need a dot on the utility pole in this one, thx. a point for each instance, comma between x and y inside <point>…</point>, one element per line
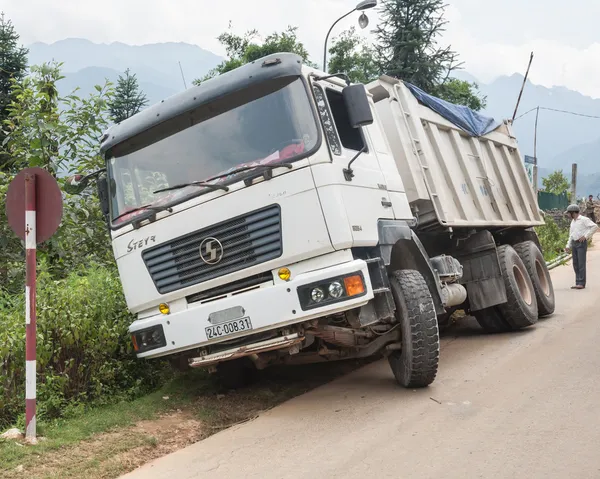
<point>182,76</point>
<point>574,183</point>
<point>522,88</point>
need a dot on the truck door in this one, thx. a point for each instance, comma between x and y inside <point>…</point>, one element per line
<point>362,198</point>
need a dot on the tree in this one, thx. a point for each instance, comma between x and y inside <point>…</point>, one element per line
<point>245,49</point>
<point>59,134</point>
<point>128,99</point>
<point>461,92</point>
<point>556,183</point>
<point>13,66</point>
<point>351,55</point>
<point>407,48</point>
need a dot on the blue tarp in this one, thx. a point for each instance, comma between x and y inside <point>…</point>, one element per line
<point>463,117</point>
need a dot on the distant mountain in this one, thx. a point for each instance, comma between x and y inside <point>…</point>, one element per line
<point>155,63</point>
<point>85,80</point>
<point>557,132</point>
<point>562,139</point>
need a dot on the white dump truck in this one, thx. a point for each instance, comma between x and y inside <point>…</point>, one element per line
<point>277,214</point>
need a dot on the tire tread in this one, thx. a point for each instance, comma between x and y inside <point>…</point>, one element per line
<point>420,369</point>
<point>512,311</point>
<point>524,250</point>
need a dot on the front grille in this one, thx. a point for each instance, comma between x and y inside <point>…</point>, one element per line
<point>222,291</point>
<point>247,241</point>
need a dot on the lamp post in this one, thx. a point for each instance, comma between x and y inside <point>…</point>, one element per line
<point>363,22</point>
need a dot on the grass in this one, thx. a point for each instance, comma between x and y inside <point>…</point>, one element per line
<point>105,442</point>
<point>66,432</point>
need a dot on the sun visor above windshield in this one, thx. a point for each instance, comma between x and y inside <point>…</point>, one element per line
<point>273,67</point>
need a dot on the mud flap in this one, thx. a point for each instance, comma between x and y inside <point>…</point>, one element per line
<point>481,271</point>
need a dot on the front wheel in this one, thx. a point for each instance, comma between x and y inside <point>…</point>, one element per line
<point>416,364</point>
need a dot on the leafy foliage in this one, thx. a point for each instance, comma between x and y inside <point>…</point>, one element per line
<point>556,183</point>
<point>58,134</point>
<point>351,55</point>
<point>553,238</point>
<point>246,48</point>
<point>13,65</point>
<point>460,92</point>
<point>128,99</point>
<point>407,48</point>
<point>83,350</point>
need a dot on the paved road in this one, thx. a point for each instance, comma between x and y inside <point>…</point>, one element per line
<point>518,405</point>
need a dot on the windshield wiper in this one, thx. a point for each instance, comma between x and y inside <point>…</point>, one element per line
<point>268,174</point>
<point>194,183</point>
<point>155,209</point>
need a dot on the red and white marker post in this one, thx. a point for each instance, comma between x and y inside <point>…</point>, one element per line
<point>34,211</point>
<point>30,312</point>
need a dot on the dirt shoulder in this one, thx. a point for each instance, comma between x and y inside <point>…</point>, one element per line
<point>107,442</point>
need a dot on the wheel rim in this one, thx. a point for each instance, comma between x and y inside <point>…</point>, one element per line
<point>524,289</point>
<point>544,283</point>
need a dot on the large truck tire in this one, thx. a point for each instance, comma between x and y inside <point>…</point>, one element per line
<point>416,364</point>
<point>540,276</point>
<point>492,320</point>
<point>521,310</point>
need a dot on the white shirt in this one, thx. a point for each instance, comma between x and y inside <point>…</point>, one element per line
<point>582,226</point>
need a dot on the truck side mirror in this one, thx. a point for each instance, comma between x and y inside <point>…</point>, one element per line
<point>102,186</point>
<point>357,105</point>
<point>74,185</point>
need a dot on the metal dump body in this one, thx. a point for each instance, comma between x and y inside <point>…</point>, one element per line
<point>450,177</point>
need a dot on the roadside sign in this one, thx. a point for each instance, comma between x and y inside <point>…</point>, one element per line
<point>34,211</point>
<point>48,208</point>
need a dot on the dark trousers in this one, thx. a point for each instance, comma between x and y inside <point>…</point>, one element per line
<point>579,257</point>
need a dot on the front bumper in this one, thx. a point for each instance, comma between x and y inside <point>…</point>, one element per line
<point>267,308</point>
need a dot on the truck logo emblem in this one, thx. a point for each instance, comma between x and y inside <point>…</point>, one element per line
<point>211,251</point>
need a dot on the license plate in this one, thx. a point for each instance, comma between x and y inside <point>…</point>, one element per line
<point>230,327</point>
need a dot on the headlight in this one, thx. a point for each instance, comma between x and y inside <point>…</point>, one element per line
<point>332,290</point>
<point>336,290</point>
<point>317,295</point>
<point>148,339</point>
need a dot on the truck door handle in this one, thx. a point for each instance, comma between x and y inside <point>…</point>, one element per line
<point>386,203</point>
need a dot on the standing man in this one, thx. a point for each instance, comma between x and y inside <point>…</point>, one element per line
<point>590,210</point>
<point>582,229</point>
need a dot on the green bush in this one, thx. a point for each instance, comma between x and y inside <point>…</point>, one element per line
<point>553,238</point>
<point>84,355</point>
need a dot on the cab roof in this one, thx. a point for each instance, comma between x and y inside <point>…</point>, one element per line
<point>272,67</point>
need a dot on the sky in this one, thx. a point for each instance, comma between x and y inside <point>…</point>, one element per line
<point>493,38</point>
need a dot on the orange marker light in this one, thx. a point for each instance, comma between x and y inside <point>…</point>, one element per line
<point>354,285</point>
<point>135,344</point>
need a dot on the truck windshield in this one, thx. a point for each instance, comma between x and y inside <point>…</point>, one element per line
<point>277,127</point>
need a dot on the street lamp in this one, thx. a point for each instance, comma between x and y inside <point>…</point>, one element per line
<point>363,21</point>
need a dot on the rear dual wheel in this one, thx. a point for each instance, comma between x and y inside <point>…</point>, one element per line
<point>540,276</point>
<point>521,309</point>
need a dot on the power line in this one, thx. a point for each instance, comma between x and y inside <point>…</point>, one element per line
<point>558,111</point>
<point>527,112</point>
<point>570,112</point>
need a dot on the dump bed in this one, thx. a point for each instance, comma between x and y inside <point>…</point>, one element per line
<point>451,177</point>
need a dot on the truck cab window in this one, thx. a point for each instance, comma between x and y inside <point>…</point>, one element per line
<point>351,138</point>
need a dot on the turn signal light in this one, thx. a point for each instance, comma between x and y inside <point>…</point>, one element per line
<point>354,285</point>
<point>164,308</point>
<point>136,348</point>
<point>284,274</point>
